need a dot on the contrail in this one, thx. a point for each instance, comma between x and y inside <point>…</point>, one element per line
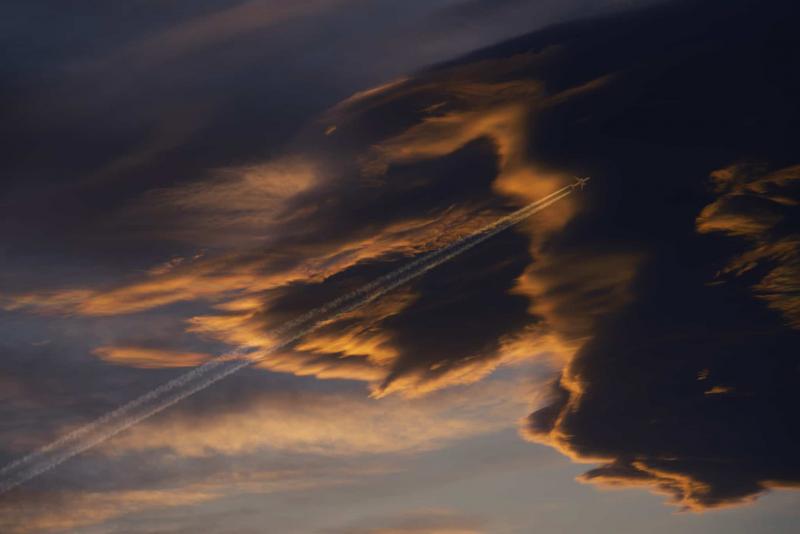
<point>199,378</point>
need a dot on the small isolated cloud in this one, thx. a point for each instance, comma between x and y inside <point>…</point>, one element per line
<point>149,358</point>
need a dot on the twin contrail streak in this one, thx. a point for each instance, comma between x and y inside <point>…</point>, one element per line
<point>199,378</point>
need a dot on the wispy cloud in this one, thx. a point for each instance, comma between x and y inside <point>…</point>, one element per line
<point>435,521</point>
<point>757,206</point>
<point>149,358</point>
<point>335,424</point>
<point>213,29</point>
<point>203,376</point>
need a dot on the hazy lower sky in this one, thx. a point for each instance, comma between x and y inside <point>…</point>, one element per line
<point>181,178</point>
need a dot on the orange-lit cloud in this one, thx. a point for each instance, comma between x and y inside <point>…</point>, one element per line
<point>575,294</point>
<point>754,206</point>
<point>436,521</point>
<point>335,424</point>
<point>66,511</point>
<point>280,206</point>
<point>262,243</point>
<point>574,289</point>
<point>148,358</point>
<point>467,109</point>
<point>682,490</point>
<point>235,206</point>
<point>350,428</point>
<point>340,426</point>
<point>230,275</point>
<point>677,478</point>
<point>687,492</point>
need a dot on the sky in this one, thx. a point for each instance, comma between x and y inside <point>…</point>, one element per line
<point>179,179</point>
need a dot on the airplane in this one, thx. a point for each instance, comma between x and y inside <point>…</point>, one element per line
<point>581,183</point>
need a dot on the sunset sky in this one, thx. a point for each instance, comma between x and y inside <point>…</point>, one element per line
<point>180,178</point>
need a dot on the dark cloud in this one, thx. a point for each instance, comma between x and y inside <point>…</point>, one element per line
<point>673,378</point>
<point>348,207</point>
<point>762,209</point>
<point>103,104</point>
<point>690,389</point>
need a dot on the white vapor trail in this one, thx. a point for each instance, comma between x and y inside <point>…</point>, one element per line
<point>199,378</point>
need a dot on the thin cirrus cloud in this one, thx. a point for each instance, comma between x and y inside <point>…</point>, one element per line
<point>236,206</point>
<point>281,442</point>
<point>66,511</point>
<point>206,31</point>
<point>433,521</point>
<point>79,509</point>
<point>336,425</point>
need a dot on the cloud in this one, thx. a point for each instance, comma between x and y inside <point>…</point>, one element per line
<point>457,107</point>
<point>573,289</point>
<point>256,205</point>
<point>759,208</point>
<point>698,438</point>
<point>234,274</point>
<point>72,510</point>
<point>67,510</point>
<point>149,358</point>
<point>437,521</point>
<point>209,30</point>
<point>670,381</point>
<point>667,381</point>
<point>332,424</point>
<point>289,234</point>
<point>277,441</point>
<point>676,379</point>
<point>234,206</point>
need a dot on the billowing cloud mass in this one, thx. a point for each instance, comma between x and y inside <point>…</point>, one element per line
<point>686,387</point>
<point>660,306</point>
<point>457,166</point>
